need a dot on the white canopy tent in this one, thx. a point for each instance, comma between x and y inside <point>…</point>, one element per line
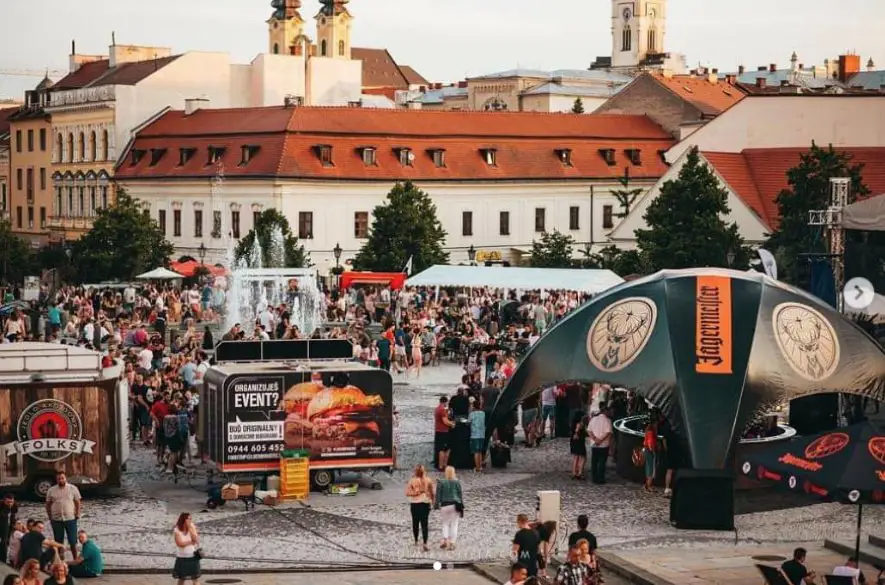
<point>511,278</point>
<point>867,215</point>
<point>159,274</point>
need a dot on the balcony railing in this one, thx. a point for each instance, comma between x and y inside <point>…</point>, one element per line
<point>70,223</point>
<point>89,95</point>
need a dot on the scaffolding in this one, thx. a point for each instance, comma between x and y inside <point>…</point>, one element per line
<point>830,219</point>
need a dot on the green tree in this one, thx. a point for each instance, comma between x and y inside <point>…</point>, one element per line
<point>808,188</point>
<point>122,243</point>
<point>621,262</point>
<point>685,225</point>
<point>279,246</point>
<point>578,107</point>
<point>553,250</point>
<point>15,257</point>
<point>625,195</point>
<point>405,226</point>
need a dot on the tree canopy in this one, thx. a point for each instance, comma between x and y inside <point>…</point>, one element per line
<point>404,226</point>
<point>553,250</point>
<point>578,107</point>
<point>279,248</point>
<point>15,258</point>
<point>626,196</point>
<point>685,223</point>
<point>123,242</point>
<point>808,189</point>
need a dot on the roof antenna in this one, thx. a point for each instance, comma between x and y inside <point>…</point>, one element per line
<point>113,39</point>
<point>73,47</point>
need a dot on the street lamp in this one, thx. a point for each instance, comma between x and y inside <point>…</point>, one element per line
<point>730,257</point>
<point>336,251</point>
<point>202,252</point>
<point>608,254</point>
<point>471,254</point>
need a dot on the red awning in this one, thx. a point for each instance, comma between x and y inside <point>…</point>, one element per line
<point>190,267</point>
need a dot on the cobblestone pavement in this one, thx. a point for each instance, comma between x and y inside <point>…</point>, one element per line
<point>133,527</point>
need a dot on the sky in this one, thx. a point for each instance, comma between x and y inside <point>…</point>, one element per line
<point>447,40</point>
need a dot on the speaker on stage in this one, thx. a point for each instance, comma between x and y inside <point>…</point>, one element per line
<point>703,500</point>
<point>815,414</point>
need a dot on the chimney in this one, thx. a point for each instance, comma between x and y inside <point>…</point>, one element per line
<point>801,66</point>
<point>193,104</point>
<point>730,79</point>
<point>462,84</point>
<point>741,69</point>
<point>772,67</point>
<point>713,77</point>
<point>715,71</point>
<point>762,68</point>
<point>848,66</point>
<point>760,82</point>
<point>293,101</point>
<point>423,89</point>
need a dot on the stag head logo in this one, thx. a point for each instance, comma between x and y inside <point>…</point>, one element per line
<point>806,340</point>
<point>620,333</point>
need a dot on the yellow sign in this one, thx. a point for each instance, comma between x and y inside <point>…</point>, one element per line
<point>488,256</point>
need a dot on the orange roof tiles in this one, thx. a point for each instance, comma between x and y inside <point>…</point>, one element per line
<point>526,144</point>
<point>710,98</point>
<point>758,175</point>
<point>83,76</point>
<point>412,76</point>
<point>379,68</point>
<point>98,73</point>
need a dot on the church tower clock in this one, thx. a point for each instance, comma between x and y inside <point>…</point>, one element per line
<point>637,32</point>
<point>285,28</point>
<point>333,29</point>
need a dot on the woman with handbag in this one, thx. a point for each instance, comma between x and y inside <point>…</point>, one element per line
<point>419,490</point>
<point>449,501</point>
<point>187,558</point>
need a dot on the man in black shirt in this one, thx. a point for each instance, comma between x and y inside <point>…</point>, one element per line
<point>8,510</point>
<point>795,569</point>
<point>36,546</point>
<point>525,545</point>
<point>582,533</point>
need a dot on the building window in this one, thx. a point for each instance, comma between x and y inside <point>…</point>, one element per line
<point>466,223</point>
<point>565,156</point>
<point>176,223</point>
<point>18,140</point>
<point>361,225</point>
<point>81,147</point>
<point>93,201</point>
<point>439,157</point>
<point>652,41</point>
<point>369,157</point>
<point>184,155</point>
<point>627,39</point>
<point>19,179</point>
<point>43,139</point>
<point>3,197</point>
<point>18,217</point>
<point>30,218</point>
<point>305,225</point>
<point>406,157</point>
<point>325,154</point>
<point>198,223</point>
<point>574,217</point>
<point>161,221</point>
<point>490,155</point>
<point>30,186</point>
<point>504,223</point>
<point>323,48</point>
<point>216,153</point>
<point>70,151</point>
<point>255,216</point>
<point>248,153</point>
<point>235,224</point>
<point>105,145</point>
<point>608,155</point>
<point>104,197</point>
<point>608,221</point>
<point>58,206</point>
<point>540,219</point>
<point>42,179</point>
<point>30,141</point>
<point>59,148</point>
<point>216,223</point>
<point>81,199</point>
<point>70,209</point>
<point>341,48</point>
<point>42,217</point>
<point>276,48</point>
<point>93,147</point>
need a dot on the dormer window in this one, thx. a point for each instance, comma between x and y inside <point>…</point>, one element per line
<point>439,157</point>
<point>565,156</point>
<point>137,155</point>
<point>367,153</point>
<point>608,155</point>
<point>406,158</point>
<point>216,153</point>
<point>635,156</point>
<point>248,152</point>
<point>185,155</point>
<point>490,155</point>
<point>324,153</point>
<point>157,155</point>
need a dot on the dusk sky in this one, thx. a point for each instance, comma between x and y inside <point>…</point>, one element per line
<point>446,40</point>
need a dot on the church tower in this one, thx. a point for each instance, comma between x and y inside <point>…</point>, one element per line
<point>285,28</point>
<point>638,28</point>
<point>333,29</point>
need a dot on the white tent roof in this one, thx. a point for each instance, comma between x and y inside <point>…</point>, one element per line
<point>584,280</point>
<point>159,274</point>
<point>866,215</point>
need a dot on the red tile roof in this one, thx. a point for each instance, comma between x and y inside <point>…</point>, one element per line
<point>86,74</point>
<point>758,175</point>
<point>525,144</point>
<point>5,115</point>
<point>711,98</point>
<point>379,68</point>
<point>98,73</point>
<point>412,76</point>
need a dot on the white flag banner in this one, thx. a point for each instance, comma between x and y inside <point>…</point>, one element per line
<point>769,264</point>
<point>408,267</point>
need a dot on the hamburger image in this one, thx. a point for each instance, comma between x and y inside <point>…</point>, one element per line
<point>337,415</point>
<point>297,398</point>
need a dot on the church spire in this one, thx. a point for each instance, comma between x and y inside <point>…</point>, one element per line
<point>331,8</point>
<point>285,26</point>
<point>333,29</point>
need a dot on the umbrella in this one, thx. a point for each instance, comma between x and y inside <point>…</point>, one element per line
<point>712,348</point>
<point>847,465</point>
<point>8,308</point>
<point>159,274</point>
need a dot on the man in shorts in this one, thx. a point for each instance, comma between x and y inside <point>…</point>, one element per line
<point>442,426</point>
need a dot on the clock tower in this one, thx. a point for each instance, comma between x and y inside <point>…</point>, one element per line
<point>285,28</point>
<point>333,29</point>
<point>638,28</point>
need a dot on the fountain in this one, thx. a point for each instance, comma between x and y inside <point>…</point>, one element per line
<point>253,286</point>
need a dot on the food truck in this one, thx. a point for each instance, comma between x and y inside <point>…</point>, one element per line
<point>263,397</point>
<point>60,411</point>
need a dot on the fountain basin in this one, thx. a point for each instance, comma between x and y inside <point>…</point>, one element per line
<point>629,434</point>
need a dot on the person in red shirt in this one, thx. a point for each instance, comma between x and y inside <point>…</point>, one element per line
<point>442,424</point>
<point>159,411</point>
<point>649,449</point>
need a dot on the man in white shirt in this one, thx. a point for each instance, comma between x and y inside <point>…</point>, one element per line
<point>600,431</point>
<point>850,569</point>
<point>266,319</point>
<point>145,358</point>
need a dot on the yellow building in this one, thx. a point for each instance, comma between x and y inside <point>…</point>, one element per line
<point>30,160</point>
